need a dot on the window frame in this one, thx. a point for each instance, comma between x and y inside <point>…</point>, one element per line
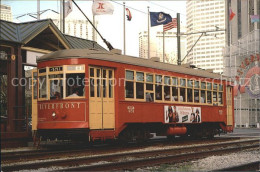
<point>66,71</point>
<point>178,86</point>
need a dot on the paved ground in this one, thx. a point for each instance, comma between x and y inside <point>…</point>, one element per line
<point>244,132</point>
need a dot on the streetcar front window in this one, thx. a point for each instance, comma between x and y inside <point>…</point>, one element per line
<point>42,87</point>
<point>56,86</point>
<point>75,85</point>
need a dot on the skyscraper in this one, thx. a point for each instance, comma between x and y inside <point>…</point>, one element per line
<point>242,61</point>
<point>6,12</point>
<point>156,45</point>
<point>209,17</point>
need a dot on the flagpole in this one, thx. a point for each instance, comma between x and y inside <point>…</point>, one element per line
<point>148,33</point>
<point>178,38</point>
<point>124,27</point>
<point>93,30</point>
<point>163,47</point>
<point>38,9</point>
<point>63,15</point>
<point>109,46</point>
<point>61,11</point>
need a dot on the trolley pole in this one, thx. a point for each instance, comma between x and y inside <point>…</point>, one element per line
<point>178,39</point>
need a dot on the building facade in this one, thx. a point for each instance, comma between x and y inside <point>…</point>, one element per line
<point>75,27</point>
<point>6,12</point>
<point>209,17</point>
<point>156,45</point>
<point>242,60</point>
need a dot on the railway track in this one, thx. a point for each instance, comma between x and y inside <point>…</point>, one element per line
<point>133,160</point>
<point>54,152</point>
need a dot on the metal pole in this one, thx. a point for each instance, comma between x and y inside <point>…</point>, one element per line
<point>178,39</point>
<point>61,11</point>
<point>63,16</point>
<point>124,27</point>
<point>110,47</point>
<point>93,30</point>
<point>38,9</point>
<point>148,33</point>
<point>163,47</point>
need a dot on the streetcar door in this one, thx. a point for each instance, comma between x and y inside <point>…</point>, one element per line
<point>34,99</point>
<point>101,98</point>
<point>229,106</point>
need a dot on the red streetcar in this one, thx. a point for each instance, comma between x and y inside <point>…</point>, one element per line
<point>99,95</point>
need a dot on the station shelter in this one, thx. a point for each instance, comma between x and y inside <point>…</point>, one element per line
<point>20,45</point>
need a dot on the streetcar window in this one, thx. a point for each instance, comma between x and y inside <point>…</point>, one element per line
<point>197,84</point>
<point>149,87</point>
<point>42,87</point>
<point>182,94</point>
<point>189,95</point>
<point>220,99</point>
<point>158,78</point>
<point>35,86</point>
<point>215,94</point>
<point>104,86</point>
<point>183,82</point>
<point>209,86</point>
<point>167,94</point>
<point>139,76</point>
<point>149,78</point>
<point>111,88</point>
<point>56,86</point>
<point>190,83</point>
<point>158,92</point>
<point>203,85</point>
<point>215,87</point>
<point>174,93</point>
<point>91,72</point>
<point>129,89</point>
<point>175,81</point>
<point>220,87</point>
<point>75,85</point>
<point>92,91</point>
<point>129,75</point>
<point>203,96</point>
<point>196,96</point>
<point>56,89</point>
<point>209,97</point>
<point>98,87</point>
<point>110,74</point>
<point>167,80</point>
<point>139,90</point>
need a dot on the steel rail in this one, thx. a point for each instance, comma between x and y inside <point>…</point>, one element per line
<point>108,157</point>
<point>34,154</point>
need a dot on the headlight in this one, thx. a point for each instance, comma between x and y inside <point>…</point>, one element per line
<point>53,115</point>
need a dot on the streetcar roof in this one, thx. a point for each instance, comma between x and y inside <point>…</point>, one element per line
<point>109,56</point>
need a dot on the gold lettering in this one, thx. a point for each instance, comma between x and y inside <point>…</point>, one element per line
<point>48,106</point>
<point>67,105</point>
<point>78,105</point>
<point>52,106</point>
<point>61,105</point>
<point>72,105</point>
<point>45,106</point>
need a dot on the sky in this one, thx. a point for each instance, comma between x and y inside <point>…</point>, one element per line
<point>110,26</point>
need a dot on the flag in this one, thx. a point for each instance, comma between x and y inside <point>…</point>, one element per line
<point>102,7</point>
<point>231,14</point>
<point>67,8</point>
<point>128,14</point>
<point>254,18</point>
<point>159,18</point>
<point>170,25</point>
